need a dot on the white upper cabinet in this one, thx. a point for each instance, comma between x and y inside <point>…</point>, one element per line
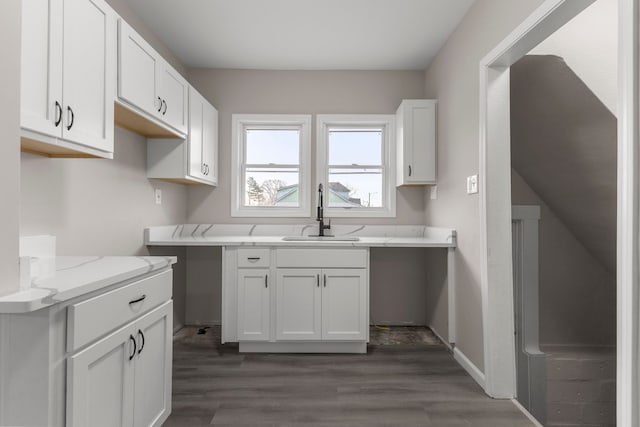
<point>194,159</point>
<point>148,85</point>
<point>68,77</point>
<point>203,138</point>
<point>416,142</point>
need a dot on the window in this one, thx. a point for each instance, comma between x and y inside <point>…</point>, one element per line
<point>271,154</point>
<point>354,163</point>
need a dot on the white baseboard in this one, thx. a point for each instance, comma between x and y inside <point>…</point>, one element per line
<point>468,366</point>
<point>445,342</point>
<point>526,413</point>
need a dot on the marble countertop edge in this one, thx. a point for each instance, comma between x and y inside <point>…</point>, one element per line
<point>78,276</point>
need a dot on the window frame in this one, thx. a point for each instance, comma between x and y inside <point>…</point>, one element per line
<point>242,122</point>
<point>388,123</point>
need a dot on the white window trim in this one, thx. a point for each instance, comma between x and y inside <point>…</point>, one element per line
<point>239,123</point>
<point>388,121</point>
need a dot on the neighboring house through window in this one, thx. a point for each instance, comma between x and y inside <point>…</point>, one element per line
<point>355,158</point>
<point>271,153</point>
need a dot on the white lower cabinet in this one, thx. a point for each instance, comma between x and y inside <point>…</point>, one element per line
<point>319,300</point>
<point>345,304</point>
<point>102,359</point>
<point>124,379</point>
<point>299,304</point>
<point>254,304</point>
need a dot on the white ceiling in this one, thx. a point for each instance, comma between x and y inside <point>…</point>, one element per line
<point>303,34</point>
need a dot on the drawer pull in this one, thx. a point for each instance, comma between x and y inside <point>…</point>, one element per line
<point>137,300</point>
<point>132,339</point>
<point>141,345</point>
<point>253,258</point>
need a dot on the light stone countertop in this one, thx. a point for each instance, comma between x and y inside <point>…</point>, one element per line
<point>80,275</point>
<point>272,235</point>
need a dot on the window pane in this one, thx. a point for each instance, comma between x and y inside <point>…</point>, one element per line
<point>272,187</point>
<point>355,147</point>
<point>273,146</point>
<point>355,188</point>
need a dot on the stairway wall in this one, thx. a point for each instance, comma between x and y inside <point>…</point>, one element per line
<point>577,294</point>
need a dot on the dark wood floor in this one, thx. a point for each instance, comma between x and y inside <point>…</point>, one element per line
<point>413,384</point>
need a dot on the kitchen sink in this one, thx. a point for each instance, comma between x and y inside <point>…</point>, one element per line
<point>320,238</point>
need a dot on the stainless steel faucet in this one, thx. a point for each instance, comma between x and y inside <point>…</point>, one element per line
<point>320,216</point>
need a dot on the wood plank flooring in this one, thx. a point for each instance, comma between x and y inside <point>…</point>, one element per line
<point>413,384</point>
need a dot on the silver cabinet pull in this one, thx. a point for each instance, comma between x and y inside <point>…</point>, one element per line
<point>266,280</point>
<point>325,280</point>
<point>409,170</point>
<point>318,279</point>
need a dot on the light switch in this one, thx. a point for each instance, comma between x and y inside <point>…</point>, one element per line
<point>472,184</point>
<point>434,192</point>
<point>158,193</point>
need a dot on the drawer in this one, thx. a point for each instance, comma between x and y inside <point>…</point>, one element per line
<point>254,257</point>
<point>322,258</point>
<point>90,319</point>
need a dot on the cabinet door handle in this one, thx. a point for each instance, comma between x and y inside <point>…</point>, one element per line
<point>318,279</point>
<point>69,110</point>
<point>325,280</point>
<point>133,340</point>
<point>165,107</point>
<point>137,299</point>
<point>58,114</point>
<point>160,104</point>
<point>253,258</point>
<point>409,170</point>
<point>266,280</point>
<point>142,345</point>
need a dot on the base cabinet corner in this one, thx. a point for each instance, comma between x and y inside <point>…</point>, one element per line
<point>124,379</point>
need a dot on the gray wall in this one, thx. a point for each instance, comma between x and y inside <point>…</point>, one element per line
<point>298,92</point>
<point>398,277</point>
<point>100,207</point>
<point>10,12</point>
<point>97,206</point>
<point>577,301</point>
<point>453,78</point>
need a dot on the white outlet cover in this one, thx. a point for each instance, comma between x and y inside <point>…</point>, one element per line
<point>434,192</point>
<point>158,196</point>
<point>472,184</point>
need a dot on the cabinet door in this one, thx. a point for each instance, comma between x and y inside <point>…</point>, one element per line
<point>137,68</point>
<point>196,124</point>
<point>153,367</point>
<point>173,89</point>
<point>253,304</point>
<point>89,73</point>
<point>210,143</point>
<point>420,142</point>
<point>41,67</point>
<point>298,302</point>
<point>344,304</point>
<point>100,382</point>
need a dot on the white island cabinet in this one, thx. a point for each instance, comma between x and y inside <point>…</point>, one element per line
<point>318,302</point>
<point>96,351</point>
<point>68,77</point>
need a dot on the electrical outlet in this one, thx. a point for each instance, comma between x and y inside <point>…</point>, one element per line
<point>158,196</point>
<point>434,192</point>
<point>472,184</point>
